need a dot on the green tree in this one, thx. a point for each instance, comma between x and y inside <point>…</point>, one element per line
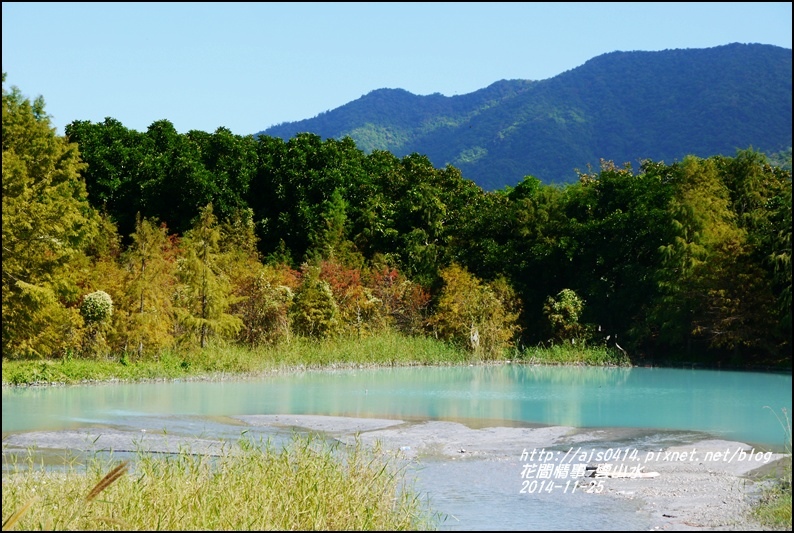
<point>114,157</point>
<point>330,240</point>
<point>760,196</point>
<point>231,162</point>
<point>47,224</point>
<point>781,259</point>
<point>205,295</point>
<point>700,283</point>
<point>532,246</point>
<point>617,221</point>
<point>292,192</point>
<point>564,313</point>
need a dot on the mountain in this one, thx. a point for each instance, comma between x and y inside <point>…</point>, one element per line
<point>620,106</point>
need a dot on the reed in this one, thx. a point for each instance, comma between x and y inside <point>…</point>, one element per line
<point>385,349</point>
<point>309,484</point>
<point>573,354</point>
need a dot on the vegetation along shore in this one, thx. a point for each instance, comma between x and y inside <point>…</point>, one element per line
<point>157,255</point>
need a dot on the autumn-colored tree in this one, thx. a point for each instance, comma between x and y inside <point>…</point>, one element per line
<point>266,296</point>
<point>314,312</point>
<point>146,312</point>
<point>205,295</point>
<point>47,224</point>
<point>360,312</point>
<point>404,304</point>
<point>475,315</point>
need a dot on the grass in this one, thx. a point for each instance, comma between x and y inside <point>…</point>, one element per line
<point>307,485</point>
<point>386,349</point>
<point>774,508</point>
<point>574,354</point>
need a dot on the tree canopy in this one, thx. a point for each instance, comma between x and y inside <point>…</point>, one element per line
<point>204,238</point>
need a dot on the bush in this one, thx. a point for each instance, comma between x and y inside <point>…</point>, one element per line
<point>563,314</point>
<point>96,307</point>
<point>480,317</point>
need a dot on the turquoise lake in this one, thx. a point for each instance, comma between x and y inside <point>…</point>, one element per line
<point>648,408</point>
<point>730,405</point>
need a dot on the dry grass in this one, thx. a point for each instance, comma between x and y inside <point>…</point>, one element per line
<point>307,485</point>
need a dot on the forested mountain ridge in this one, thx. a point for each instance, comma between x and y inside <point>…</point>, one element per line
<point>620,106</point>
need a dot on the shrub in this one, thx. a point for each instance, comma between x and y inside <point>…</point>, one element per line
<point>96,307</point>
<point>563,314</point>
<point>477,316</point>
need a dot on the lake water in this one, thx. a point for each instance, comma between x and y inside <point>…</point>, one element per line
<point>640,406</point>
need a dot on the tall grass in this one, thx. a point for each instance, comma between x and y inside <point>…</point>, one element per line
<point>388,348</point>
<point>774,508</point>
<point>574,354</point>
<point>385,349</point>
<point>307,485</point>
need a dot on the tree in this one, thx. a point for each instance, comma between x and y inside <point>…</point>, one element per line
<point>47,223</point>
<point>760,196</point>
<point>330,241</point>
<point>404,304</point>
<point>360,311</point>
<point>315,312</point>
<point>231,163</point>
<point>96,309</point>
<point>535,246</point>
<point>114,158</point>
<point>480,317</point>
<point>563,313</point>
<point>292,192</point>
<point>617,222</point>
<point>204,298</point>
<point>266,295</point>
<point>147,305</point>
<point>699,263</point>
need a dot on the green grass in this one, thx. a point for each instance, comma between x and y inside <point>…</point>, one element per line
<point>574,354</point>
<point>387,349</point>
<point>307,485</point>
<point>774,508</point>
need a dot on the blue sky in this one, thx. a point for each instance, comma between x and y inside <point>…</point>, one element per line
<point>248,66</point>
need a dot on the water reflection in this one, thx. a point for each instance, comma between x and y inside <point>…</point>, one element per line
<point>727,404</point>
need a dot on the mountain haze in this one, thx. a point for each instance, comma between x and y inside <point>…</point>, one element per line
<point>620,106</point>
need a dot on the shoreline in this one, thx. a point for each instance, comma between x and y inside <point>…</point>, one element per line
<point>330,367</point>
<point>701,484</point>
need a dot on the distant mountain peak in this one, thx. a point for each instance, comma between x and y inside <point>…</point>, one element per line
<point>623,106</point>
